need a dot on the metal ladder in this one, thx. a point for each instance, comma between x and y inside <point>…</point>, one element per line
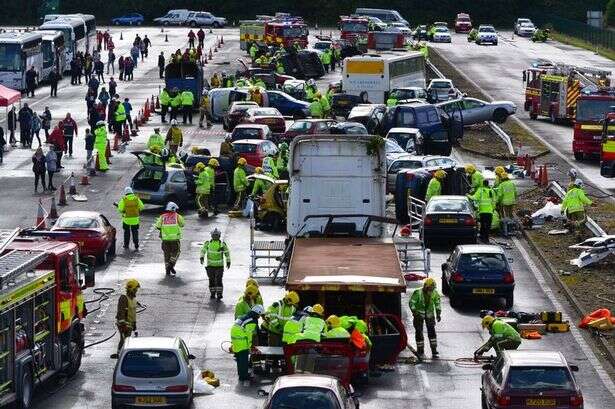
<point>7,236</point>
<point>266,256</point>
<point>414,258</point>
<point>16,262</point>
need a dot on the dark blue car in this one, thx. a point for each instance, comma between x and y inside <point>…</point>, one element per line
<point>130,19</point>
<point>287,105</point>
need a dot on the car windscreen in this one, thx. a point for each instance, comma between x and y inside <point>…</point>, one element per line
<point>441,30</point>
<point>300,126</point>
<point>440,84</point>
<point>354,27</point>
<point>405,164</point>
<point>265,112</point>
<point>77,223</point>
<point>355,130</point>
<point>487,30</point>
<point>427,116</point>
<point>236,108</point>
<point>448,206</point>
<point>150,364</point>
<point>545,378</point>
<point>245,147</point>
<point>593,110</point>
<point>246,133</point>
<point>403,94</point>
<point>392,147</point>
<point>463,19</point>
<point>480,263</point>
<point>304,397</point>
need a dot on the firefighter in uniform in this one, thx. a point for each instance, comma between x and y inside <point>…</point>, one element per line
<point>170,225</point>
<point>426,308</point>
<point>277,315</point>
<point>202,189</point>
<point>240,184</point>
<point>246,301</point>
<point>165,101</point>
<point>155,143</point>
<point>242,333</point>
<point>217,253</point>
<point>126,315</point>
<point>573,206</point>
<point>507,199</point>
<point>335,329</point>
<point>434,188</point>
<point>484,199</point>
<point>503,336</point>
<point>476,178</point>
<point>130,207</point>
<point>313,326</point>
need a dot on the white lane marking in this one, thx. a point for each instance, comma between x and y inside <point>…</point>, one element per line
<point>425,379</point>
<point>576,334</point>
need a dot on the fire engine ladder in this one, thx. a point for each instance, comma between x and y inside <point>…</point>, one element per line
<point>7,236</point>
<point>266,256</point>
<point>16,262</point>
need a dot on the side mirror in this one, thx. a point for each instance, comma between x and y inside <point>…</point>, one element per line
<point>191,356</point>
<point>574,368</point>
<point>262,393</point>
<point>88,273</point>
<point>487,367</point>
<point>113,356</point>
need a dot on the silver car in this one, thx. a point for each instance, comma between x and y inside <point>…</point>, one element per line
<point>309,392</point>
<point>153,371</point>
<point>430,162</point>
<point>442,89</point>
<point>475,111</point>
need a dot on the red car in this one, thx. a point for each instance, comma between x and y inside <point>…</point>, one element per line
<point>254,150</point>
<point>266,116</point>
<point>463,24</point>
<point>91,231</point>
<point>236,113</point>
<point>308,127</point>
<point>251,131</point>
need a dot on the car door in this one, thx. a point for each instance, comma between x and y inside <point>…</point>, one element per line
<point>493,380</point>
<point>475,111</point>
<point>449,266</point>
<point>278,102</point>
<point>185,355</point>
<point>178,184</point>
<point>109,234</point>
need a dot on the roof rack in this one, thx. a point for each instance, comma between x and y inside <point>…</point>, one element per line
<point>17,262</point>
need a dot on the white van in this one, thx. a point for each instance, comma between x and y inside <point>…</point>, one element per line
<point>173,18</point>
<point>388,16</point>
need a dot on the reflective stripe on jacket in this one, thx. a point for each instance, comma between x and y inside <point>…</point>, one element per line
<point>216,252</point>
<point>313,328</point>
<point>575,201</point>
<point>130,207</point>
<point>425,308</point>
<point>170,224</point>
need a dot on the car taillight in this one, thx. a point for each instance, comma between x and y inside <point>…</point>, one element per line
<point>428,221</point>
<point>409,176</point>
<point>503,400</point>
<point>508,278</point>
<point>176,388</point>
<point>469,221</point>
<point>576,400</point>
<point>458,278</point>
<point>123,388</point>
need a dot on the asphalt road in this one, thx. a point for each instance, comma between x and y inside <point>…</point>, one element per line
<point>498,71</point>
<point>180,306</point>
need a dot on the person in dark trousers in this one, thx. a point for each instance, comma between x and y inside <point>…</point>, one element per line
<point>484,199</point>
<point>69,128</point>
<point>87,68</point>
<point>90,99</point>
<point>201,36</point>
<point>130,207</point>
<point>120,66</point>
<point>2,144</point>
<point>25,126</point>
<point>128,109</point>
<point>12,126</point>
<point>39,168</point>
<point>31,77</point>
<point>111,112</point>
<point>54,78</point>
<point>111,62</point>
<point>56,138</point>
<point>73,72</point>
<point>51,161</point>
<point>112,87</point>
<point>94,117</point>
<point>89,144</point>
<point>99,68</point>
<point>36,128</point>
<point>191,37</point>
<point>46,122</point>
<point>93,84</point>
<point>146,45</point>
<point>161,63</point>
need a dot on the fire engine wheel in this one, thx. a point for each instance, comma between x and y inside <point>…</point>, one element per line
<point>27,388</point>
<point>553,118</point>
<point>578,156</point>
<point>75,353</point>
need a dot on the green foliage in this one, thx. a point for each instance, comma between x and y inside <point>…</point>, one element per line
<point>375,143</point>
<point>609,15</point>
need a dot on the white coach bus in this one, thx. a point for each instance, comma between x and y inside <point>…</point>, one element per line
<point>18,52</point>
<point>74,35</point>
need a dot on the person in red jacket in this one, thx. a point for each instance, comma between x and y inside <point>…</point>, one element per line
<point>56,138</point>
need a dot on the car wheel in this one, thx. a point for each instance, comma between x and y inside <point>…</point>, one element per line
<point>477,42</point>
<point>454,300</point>
<point>578,156</point>
<point>193,24</point>
<point>445,288</point>
<point>500,115</point>
<point>102,258</point>
<point>483,401</point>
<point>139,23</point>
<point>216,24</point>
<point>510,300</point>
<point>496,43</point>
<point>533,116</point>
<point>115,405</point>
<point>111,251</point>
<point>116,23</point>
<point>27,388</point>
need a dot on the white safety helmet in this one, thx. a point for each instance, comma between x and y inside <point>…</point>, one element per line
<point>165,153</point>
<point>572,173</point>
<point>173,122</point>
<point>258,309</point>
<point>172,207</point>
<point>128,190</point>
<point>205,92</point>
<point>311,82</point>
<point>215,234</point>
<point>100,123</point>
<point>578,183</point>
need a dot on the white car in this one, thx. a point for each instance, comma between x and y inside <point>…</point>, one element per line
<point>309,391</point>
<point>401,27</point>
<point>442,89</point>
<point>519,22</point>
<point>442,35</point>
<point>526,29</point>
<point>203,18</point>
<point>487,34</point>
<point>409,139</point>
<point>173,18</point>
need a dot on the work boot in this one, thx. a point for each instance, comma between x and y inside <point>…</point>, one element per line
<point>173,271</point>
<point>219,296</point>
<point>420,351</point>
<point>434,353</point>
<point>212,295</point>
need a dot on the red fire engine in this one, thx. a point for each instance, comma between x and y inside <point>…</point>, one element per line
<point>588,122</point>
<point>552,90</point>
<point>281,30</point>
<point>354,29</point>
<point>607,155</point>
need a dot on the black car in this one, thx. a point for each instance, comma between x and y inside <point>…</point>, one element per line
<point>478,271</point>
<point>348,128</point>
<point>448,218</point>
<point>370,115</point>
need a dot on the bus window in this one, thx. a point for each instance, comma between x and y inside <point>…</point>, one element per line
<point>48,54</point>
<point>10,57</point>
<point>64,275</point>
<point>79,32</point>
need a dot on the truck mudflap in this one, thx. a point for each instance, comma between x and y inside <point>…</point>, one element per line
<point>331,358</point>
<point>388,336</point>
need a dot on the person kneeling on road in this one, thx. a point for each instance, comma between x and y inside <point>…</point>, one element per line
<point>277,315</point>
<point>503,336</point>
<point>242,333</point>
<point>426,308</point>
<point>217,253</point>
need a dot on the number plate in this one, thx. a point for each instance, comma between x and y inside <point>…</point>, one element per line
<point>144,195</point>
<point>597,137</point>
<point>150,400</point>
<point>448,221</point>
<point>540,402</point>
<point>483,291</point>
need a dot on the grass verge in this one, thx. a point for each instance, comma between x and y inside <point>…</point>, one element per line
<point>577,42</point>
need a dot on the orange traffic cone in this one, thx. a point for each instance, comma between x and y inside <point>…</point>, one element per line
<point>72,186</point>
<point>210,54</point>
<point>85,180</point>
<point>62,201</point>
<point>538,177</point>
<point>152,106</point>
<point>53,212</point>
<point>157,103</point>
<point>221,39</point>
<point>544,180</point>
<point>40,216</point>
<point>108,151</point>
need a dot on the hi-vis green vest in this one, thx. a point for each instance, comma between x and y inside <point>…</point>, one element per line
<point>170,224</point>
<point>292,329</point>
<point>313,328</point>
<point>216,251</point>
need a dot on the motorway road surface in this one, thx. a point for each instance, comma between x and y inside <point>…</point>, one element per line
<point>498,71</point>
<point>180,306</point>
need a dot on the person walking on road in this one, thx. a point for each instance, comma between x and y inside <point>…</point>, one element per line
<point>155,143</point>
<point>203,189</point>
<point>11,124</point>
<point>46,122</point>
<point>128,110</point>
<point>426,308</point>
<point>165,101</point>
<point>126,315</point>
<point>507,199</point>
<point>187,101</point>
<point>110,62</point>
<point>2,145</point>
<point>31,79</point>
<point>484,199</point>
<point>39,168</point>
<point>134,54</point>
<point>146,45</point>
<point>573,206</point>
<point>36,128</point>
<point>54,78</point>
<point>69,127</point>
<point>503,336</point>
<point>51,161</point>
<point>25,126</point>
<point>119,117</point>
<point>100,142</point>
<point>204,106</point>
<point>89,145</point>
<point>99,69</point>
<point>56,139</point>
<point>191,37</point>
<point>242,334</point>
<point>170,225</point>
<point>217,253</point>
<point>130,207</point>
<point>161,65</point>
<point>120,66</point>
<point>201,36</point>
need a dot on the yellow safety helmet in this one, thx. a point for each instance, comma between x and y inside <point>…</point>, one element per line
<point>504,176</point>
<point>213,162</point>
<point>334,321</point>
<point>470,168</point>
<point>199,167</point>
<point>132,284</point>
<point>499,170</point>
<point>487,321</point>
<point>251,281</point>
<point>251,291</point>
<point>291,297</point>
<point>318,309</point>
<point>440,174</point>
<point>318,94</point>
<point>429,283</point>
<point>242,161</point>
<point>258,170</point>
